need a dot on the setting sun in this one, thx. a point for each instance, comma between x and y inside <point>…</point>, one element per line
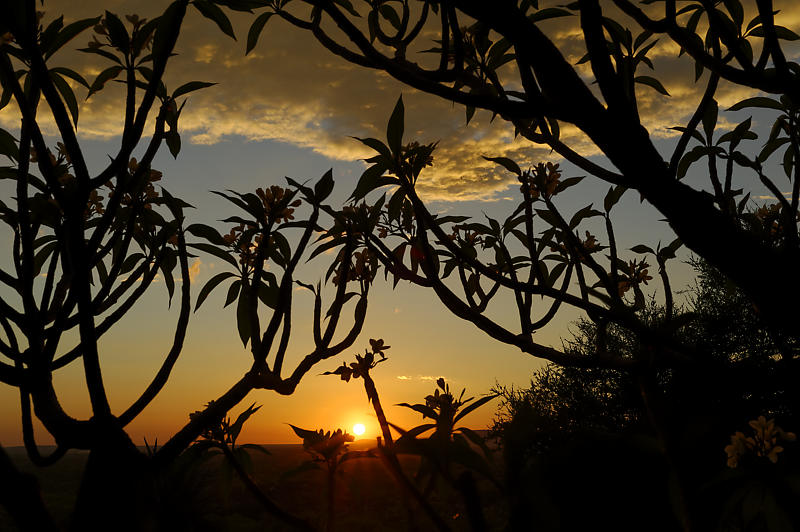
<point>359,429</point>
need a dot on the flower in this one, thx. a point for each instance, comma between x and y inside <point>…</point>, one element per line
<point>763,444</point>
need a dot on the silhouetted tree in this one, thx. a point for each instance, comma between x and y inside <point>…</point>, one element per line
<point>87,247</point>
<point>541,90</point>
<point>548,428</point>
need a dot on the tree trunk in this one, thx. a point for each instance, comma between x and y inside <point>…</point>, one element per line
<point>117,489</point>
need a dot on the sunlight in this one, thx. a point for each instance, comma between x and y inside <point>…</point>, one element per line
<point>359,429</point>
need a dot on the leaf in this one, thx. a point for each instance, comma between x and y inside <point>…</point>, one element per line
<point>214,13</point>
<point>69,33</point>
<point>103,77</point>
<point>696,134</point>
<point>690,158</point>
<point>173,140</point>
<point>506,163</point>
<point>780,31</point>
<point>243,317</point>
<point>348,6</point>
<point>669,251</point>
<point>425,410</point>
<point>324,186</point>
<point>641,248</point>
<point>475,438</point>
<point>710,119</point>
<point>586,212</point>
<point>547,13</point>
<point>66,93</point>
<point>472,406</point>
<point>394,130</point>
<point>613,196</point>
<point>117,32</point>
<point>371,179</point>
<point>255,31</point>
<point>217,252</point>
<point>8,146</point>
<point>236,426</point>
<point>71,74</point>
<point>377,145</point>
<point>758,101</point>
<point>210,286</point>
<point>566,183</point>
<point>207,232</point>
<point>190,87</point>
<point>651,82</point>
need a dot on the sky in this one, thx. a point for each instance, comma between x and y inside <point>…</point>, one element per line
<point>290,108</point>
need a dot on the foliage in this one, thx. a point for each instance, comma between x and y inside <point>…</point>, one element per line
<point>329,448</point>
<point>446,444</point>
<point>545,428</point>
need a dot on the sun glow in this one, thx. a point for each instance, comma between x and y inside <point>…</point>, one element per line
<point>359,429</point>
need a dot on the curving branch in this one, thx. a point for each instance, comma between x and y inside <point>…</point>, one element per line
<point>177,344</point>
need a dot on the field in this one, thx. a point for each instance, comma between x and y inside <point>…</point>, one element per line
<point>207,497</point>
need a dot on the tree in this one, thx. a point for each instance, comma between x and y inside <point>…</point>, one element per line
<point>545,430</point>
<point>498,57</point>
<point>87,247</point>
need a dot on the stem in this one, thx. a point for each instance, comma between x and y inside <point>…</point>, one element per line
<point>331,498</point>
<point>372,394</point>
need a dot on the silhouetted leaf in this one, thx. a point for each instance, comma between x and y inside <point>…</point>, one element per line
<point>69,33</point>
<point>66,93</point>
<point>103,77</point>
<point>324,186</point>
<point>243,317</point>
<point>394,130</point>
<point>217,252</point>
<point>210,286</point>
<point>256,29</point>
<point>214,13</point>
<point>173,140</point>
<point>190,87</point>
<point>506,163</point>
<point>586,212</point>
<point>641,248</point>
<point>8,146</point>
<point>425,410</point>
<point>651,82</point>
<point>547,13</point>
<point>780,31</point>
<point>613,196</point>
<point>472,406</point>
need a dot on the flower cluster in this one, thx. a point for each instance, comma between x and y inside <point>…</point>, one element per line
<point>363,364</point>
<point>465,236</point>
<point>764,443</point>
<point>274,202</point>
<point>542,180</point>
<point>244,242</point>
<point>363,267</point>
<point>636,274</point>
<point>326,446</point>
<point>142,42</point>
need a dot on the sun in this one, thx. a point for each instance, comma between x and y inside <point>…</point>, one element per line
<point>359,429</point>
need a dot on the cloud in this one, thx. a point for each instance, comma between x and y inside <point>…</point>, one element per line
<point>290,89</point>
<point>420,377</point>
<point>194,269</point>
